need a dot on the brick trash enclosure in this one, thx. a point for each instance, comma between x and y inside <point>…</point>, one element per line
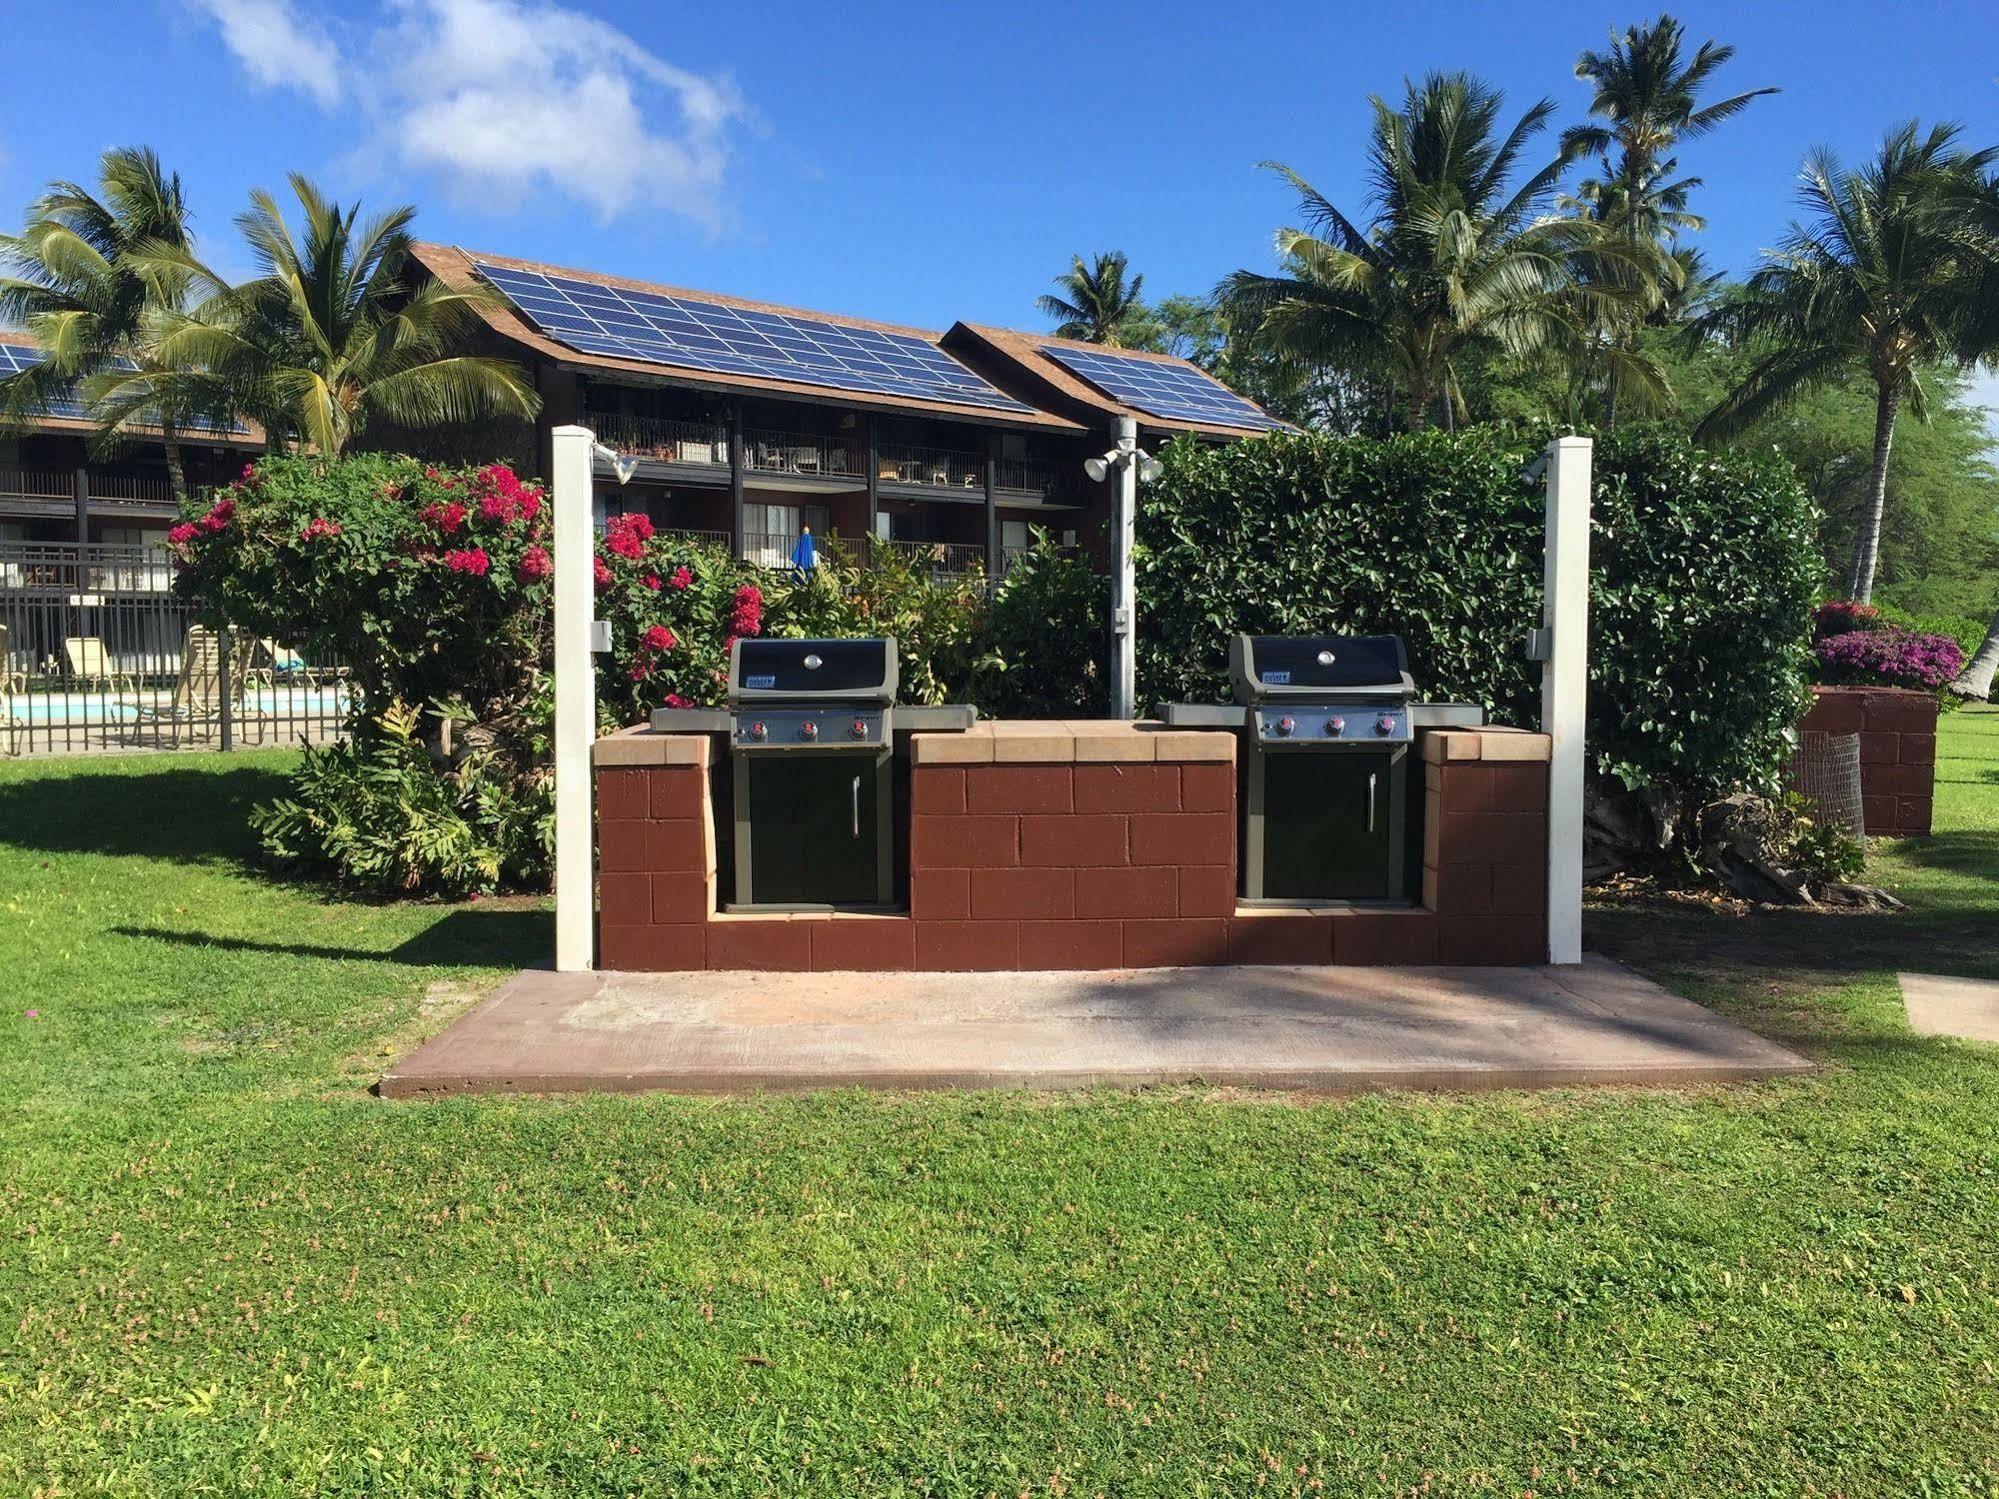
<point>1073,846</point>
<point>1898,751</point>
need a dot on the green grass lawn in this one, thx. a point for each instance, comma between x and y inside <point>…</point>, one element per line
<point>226,1268</point>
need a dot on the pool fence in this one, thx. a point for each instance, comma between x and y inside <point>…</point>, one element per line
<point>99,654</point>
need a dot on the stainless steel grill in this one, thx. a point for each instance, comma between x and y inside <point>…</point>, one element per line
<point>815,804</point>
<point>1326,725</point>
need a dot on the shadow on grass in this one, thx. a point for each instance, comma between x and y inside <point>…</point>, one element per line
<point>489,937</point>
<point>186,815</point>
<point>1780,950</point>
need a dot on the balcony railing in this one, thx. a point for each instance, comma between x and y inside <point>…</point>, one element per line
<point>933,468</point>
<point>664,440</point>
<point>105,489</point>
<point>769,450</point>
<point>944,559</point>
<point>772,452</point>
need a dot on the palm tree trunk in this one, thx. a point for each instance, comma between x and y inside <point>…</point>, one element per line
<point>176,470</point>
<point>1975,681</point>
<point>1867,545</point>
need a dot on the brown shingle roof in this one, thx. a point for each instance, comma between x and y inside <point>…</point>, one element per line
<point>454,267</point>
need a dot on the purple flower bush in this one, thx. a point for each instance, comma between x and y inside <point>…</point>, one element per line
<point>1888,658</point>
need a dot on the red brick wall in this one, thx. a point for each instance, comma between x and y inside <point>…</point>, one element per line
<point>1898,751</point>
<point>1081,865</point>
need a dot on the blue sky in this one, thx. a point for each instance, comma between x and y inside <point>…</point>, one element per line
<point>916,164</point>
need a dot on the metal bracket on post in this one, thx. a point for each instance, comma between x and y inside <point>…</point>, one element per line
<point>1563,650</point>
<point>575,698</point>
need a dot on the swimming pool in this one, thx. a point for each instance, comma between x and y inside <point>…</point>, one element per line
<point>87,709</point>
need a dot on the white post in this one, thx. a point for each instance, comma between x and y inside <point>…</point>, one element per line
<point>1124,576</point>
<point>575,699</point>
<point>1565,686</point>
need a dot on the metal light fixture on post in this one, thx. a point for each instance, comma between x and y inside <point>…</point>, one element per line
<point>1130,463</point>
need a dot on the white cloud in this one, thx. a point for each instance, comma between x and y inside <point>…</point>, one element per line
<point>505,97</point>
<point>277,47</point>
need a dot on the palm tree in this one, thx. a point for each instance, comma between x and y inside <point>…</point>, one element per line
<point>88,280</point>
<point>340,328</point>
<point>1890,272</point>
<point>1099,306</point>
<point>1649,99</point>
<point>1455,261</point>
<point>1646,96</point>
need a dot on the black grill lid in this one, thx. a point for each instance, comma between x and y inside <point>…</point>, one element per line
<point>1266,666</point>
<point>764,670</point>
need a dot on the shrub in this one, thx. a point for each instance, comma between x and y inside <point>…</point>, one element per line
<point>1048,639</point>
<point>1890,657</point>
<point>378,812</point>
<point>1842,616</point>
<point>1969,633</point>
<point>1704,568</point>
<point>435,586</point>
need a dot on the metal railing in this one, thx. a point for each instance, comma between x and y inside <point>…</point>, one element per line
<point>933,468</point>
<point>767,451</point>
<point>665,440</point>
<point>97,653</point>
<point>771,450</point>
<point>703,538</point>
<point>944,559</point>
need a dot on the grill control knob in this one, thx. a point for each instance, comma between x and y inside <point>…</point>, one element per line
<point>759,730</point>
<point>808,730</point>
<point>1384,725</point>
<point>858,729</point>
<point>1335,727</point>
<point>1285,725</point>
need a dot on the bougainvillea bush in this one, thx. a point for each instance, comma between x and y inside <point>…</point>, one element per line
<point>1887,657</point>
<point>433,586</point>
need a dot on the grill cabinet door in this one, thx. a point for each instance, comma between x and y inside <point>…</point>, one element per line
<point>803,848</point>
<point>1317,842</point>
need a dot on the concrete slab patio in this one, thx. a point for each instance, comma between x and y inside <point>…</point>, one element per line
<point>1318,1029</point>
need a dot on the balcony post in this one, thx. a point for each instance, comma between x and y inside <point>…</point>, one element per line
<point>874,490</point>
<point>736,537</point>
<point>80,488</point>
<point>992,508</point>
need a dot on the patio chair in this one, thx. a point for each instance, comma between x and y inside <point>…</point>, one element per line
<point>90,664</point>
<point>197,694</point>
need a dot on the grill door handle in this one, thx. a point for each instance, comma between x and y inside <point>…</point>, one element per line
<point>857,806</point>
<point>1372,777</point>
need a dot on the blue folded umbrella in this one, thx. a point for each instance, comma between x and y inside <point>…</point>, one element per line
<point>804,556</point>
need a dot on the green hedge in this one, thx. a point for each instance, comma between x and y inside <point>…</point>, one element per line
<point>1704,572</point>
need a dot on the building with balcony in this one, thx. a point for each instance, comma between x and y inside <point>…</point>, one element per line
<point>748,422</point>
<point>58,485</point>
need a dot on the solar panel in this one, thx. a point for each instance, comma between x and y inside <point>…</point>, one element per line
<point>686,333</point>
<point>1179,392</point>
<point>14,358</point>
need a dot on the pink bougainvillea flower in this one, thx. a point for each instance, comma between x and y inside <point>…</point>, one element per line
<point>183,533</point>
<point>682,576</point>
<point>219,516</point>
<point>659,638</point>
<point>603,571</point>
<point>472,560</point>
<point>536,564</point>
<point>641,671</point>
<point>627,535</point>
<point>317,527</point>
<point>675,700</point>
<point>447,516</point>
<point>651,580</point>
